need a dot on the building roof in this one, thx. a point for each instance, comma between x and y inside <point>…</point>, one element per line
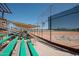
<point>3,19</point>
<point>67,12</point>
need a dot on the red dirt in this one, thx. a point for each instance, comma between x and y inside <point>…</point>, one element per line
<point>67,38</point>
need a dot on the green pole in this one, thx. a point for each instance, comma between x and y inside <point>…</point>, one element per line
<point>8,50</point>
<point>5,39</point>
<point>22,48</point>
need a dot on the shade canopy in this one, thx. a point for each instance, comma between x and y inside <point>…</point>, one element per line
<point>4,8</point>
<point>23,25</point>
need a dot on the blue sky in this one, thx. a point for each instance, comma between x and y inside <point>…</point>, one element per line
<point>26,13</point>
<point>29,13</point>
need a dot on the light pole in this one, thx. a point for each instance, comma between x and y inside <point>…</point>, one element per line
<point>50,22</point>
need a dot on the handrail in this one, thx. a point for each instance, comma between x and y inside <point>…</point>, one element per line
<point>22,51</point>
<point>31,48</point>
<point>5,39</point>
<point>8,50</point>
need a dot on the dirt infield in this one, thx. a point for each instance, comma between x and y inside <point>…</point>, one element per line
<point>67,38</point>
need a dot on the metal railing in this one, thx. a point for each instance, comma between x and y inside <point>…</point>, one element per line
<point>31,48</point>
<point>8,50</point>
<point>22,48</point>
<point>5,39</point>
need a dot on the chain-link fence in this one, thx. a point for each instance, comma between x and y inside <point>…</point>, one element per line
<point>60,24</point>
